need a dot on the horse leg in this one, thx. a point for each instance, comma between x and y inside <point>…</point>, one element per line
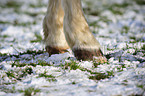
<point>53,28</point>
<point>77,33</point>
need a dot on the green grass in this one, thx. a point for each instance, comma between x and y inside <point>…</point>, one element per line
<point>3,36</point>
<point>28,70</point>
<point>135,39</point>
<point>122,5</point>
<point>101,18</point>
<point>99,76</point>
<point>120,69</point>
<point>31,91</point>
<point>19,74</point>
<point>136,51</point>
<point>17,23</point>
<point>73,82</point>
<point>125,29</point>
<point>12,4</point>
<point>71,65</point>
<point>139,2</point>
<point>17,64</point>
<point>143,47</point>
<point>3,54</point>
<point>117,9</point>
<point>43,63</point>
<point>95,25</point>
<point>32,14</point>
<point>8,90</point>
<point>39,62</point>
<point>109,49</point>
<point>33,52</point>
<point>95,13</point>
<point>48,77</point>
<point>95,64</point>
<point>39,4</point>
<point>104,19</point>
<point>10,74</point>
<point>141,86</point>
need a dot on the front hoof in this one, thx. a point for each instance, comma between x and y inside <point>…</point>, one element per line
<point>89,54</point>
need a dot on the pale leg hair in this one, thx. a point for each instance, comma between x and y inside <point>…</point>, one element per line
<point>77,32</point>
<point>54,37</point>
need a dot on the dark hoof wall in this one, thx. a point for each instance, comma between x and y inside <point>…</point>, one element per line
<point>83,54</point>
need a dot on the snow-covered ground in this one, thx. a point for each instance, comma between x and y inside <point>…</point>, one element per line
<point>27,70</point>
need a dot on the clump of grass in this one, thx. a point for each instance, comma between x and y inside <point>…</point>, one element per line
<point>105,19</point>
<point>17,64</point>
<point>10,74</point>
<point>40,62</point>
<point>17,56</point>
<point>109,49</point>
<point>30,91</point>
<point>17,23</point>
<point>116,11</point>
<point>32,14</point>
<point>117,8</point>
<point>4,22</point>
<point>125,29</point>
<point>73,82</point>
<point>48,77</point>
<point>28,70</point>
<point>122,5</point>
<point>95,25</point>
<point>4,36</point>
<point>9,90</point>
<point>140,2</point>
<point>3,54</point>
<point>121,68</point>
<point>19,74</point>
<point>143,47</point>
<point>95,13</point>
<point>94,75</point>
<point>96,64</point>
<point>101,18</point>
<point>32,52</point>
<point>136,51</point>
<point>99,76</point>
<point>124,82</point>
<point>43,63</point>
<point>132,37</point>
<point>134,41</point>
<point>12,4</point>
<point>1,66</point>
<point>141,86</point>
<point>72,65</point>
<point>39,4</point>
